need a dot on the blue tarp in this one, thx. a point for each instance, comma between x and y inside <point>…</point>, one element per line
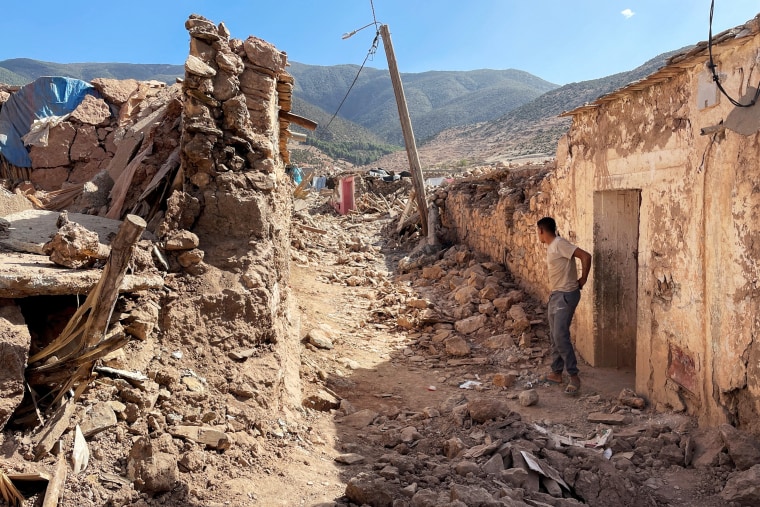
<point>47,96</point>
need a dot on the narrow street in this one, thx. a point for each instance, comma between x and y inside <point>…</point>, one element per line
<point>386,384</point>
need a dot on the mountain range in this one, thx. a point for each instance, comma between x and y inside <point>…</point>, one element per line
<point>457,116</point>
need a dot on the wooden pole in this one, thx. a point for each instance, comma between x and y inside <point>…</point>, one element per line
<point>406,128</point>
<point>107,290</point>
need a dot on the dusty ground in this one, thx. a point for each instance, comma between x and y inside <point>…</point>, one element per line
<point>378,356</point>
<point>376,365</point>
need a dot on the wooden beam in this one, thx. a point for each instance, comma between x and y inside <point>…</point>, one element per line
<point>298,120</point>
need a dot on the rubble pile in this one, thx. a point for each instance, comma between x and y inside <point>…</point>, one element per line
<point>466,319</point>
<point>501,207</point>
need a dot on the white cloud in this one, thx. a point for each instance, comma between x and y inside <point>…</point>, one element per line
<point>628,13</point>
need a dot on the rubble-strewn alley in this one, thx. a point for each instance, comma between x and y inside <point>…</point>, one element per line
<point>181,324</point>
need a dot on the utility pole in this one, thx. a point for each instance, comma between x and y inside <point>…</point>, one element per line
<point>406,128</point>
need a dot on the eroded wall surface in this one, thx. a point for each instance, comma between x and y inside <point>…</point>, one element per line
<point>697,259</point>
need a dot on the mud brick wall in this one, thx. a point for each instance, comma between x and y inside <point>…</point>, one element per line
<point>496,214</point>
<point>236,199</point>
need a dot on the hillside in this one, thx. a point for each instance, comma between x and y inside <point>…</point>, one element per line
<point>531,130</point>
<point>29,70</point>
<point>436,99</point>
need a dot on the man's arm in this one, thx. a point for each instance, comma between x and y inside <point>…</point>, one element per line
<point>585,258</point>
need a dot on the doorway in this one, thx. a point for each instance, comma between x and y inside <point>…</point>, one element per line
<point>616,240</point>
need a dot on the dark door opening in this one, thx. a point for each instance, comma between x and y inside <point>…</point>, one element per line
<point>616,238</point>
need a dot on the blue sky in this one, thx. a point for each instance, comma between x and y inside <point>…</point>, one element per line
<point>561,41</point>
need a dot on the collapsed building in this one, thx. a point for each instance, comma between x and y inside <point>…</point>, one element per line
<point>658,181</point>
<point>200,166</point>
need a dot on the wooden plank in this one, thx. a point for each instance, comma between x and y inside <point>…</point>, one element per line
<point>299,120</point>
<point>203,435</point>
<point>107,290</point>
<point>55,486</point>
<point>53,429</point>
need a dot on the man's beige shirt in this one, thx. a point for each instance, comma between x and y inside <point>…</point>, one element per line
<point>563,275</point>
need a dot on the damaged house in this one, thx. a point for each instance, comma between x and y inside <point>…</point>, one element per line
<point>659,181</point>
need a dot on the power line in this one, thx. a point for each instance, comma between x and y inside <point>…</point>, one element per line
<point>715,75</point>
<point>371,52</point>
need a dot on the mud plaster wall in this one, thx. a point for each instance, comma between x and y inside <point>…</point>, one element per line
<point>235,198</point>
<point>698,249</point>
<point>698,254</point>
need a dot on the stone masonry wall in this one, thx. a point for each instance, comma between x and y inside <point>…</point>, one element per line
<point>496,215</point>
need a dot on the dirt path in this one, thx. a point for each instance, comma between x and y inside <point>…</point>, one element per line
<point>404,379</point>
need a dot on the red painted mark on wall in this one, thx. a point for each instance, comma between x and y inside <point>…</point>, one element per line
<point>682,368</point>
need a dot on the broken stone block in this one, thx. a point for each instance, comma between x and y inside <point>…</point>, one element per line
<point>521,321</point>
<point>466,467</point>
<point>370,489</point>
<point>419,303</point>
<point>465,295</point>
<point>181,240</point>
<point>471,495</point>
<point>198,67</point>
<point>116,91</point>
<point>629,398</point>
<point>515,477</point>
<point>503,379</point>
<point>743,449</point>
<point>350,459</point>
<point>360,419</point>
<point>457,347</point>
<point>141,321</point>
<point>56,153</point>
<point>50,179</point>
<point>14,351</point>
<point>489,292</point>
<point>743,488</point>
<point>322,401</point>
<point>405,322</point>
<point>75,246</point>
<point>485,409</point>
<point>92,111</point>
<point>432,272</point>
<point>528,397</point>
<point>211,438</point>
<point>263,54</point>
<point>494,465</point>
<point>99,418</point>
<point>471,324</point>
<point>191,257</point>
<point>708,446</point>
<point>410,434</point>
<point>152,472</point>
<point>319,339</point>
<point>453,447</point>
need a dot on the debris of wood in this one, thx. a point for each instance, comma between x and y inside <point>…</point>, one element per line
<point>55,485</point>
<point>210,437</point>
<point>9,492</point>
<point>133,376</point>
<point>600,417</point>
<point>81,342</point>
<point>53,429</point>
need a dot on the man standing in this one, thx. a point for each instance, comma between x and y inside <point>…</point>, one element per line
<point>565,295</point>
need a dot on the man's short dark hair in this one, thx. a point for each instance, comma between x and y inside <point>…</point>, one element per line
<point>547,224</point>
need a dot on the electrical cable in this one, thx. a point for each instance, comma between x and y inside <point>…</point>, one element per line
<point>371,52</point>
<point>711,65</point>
